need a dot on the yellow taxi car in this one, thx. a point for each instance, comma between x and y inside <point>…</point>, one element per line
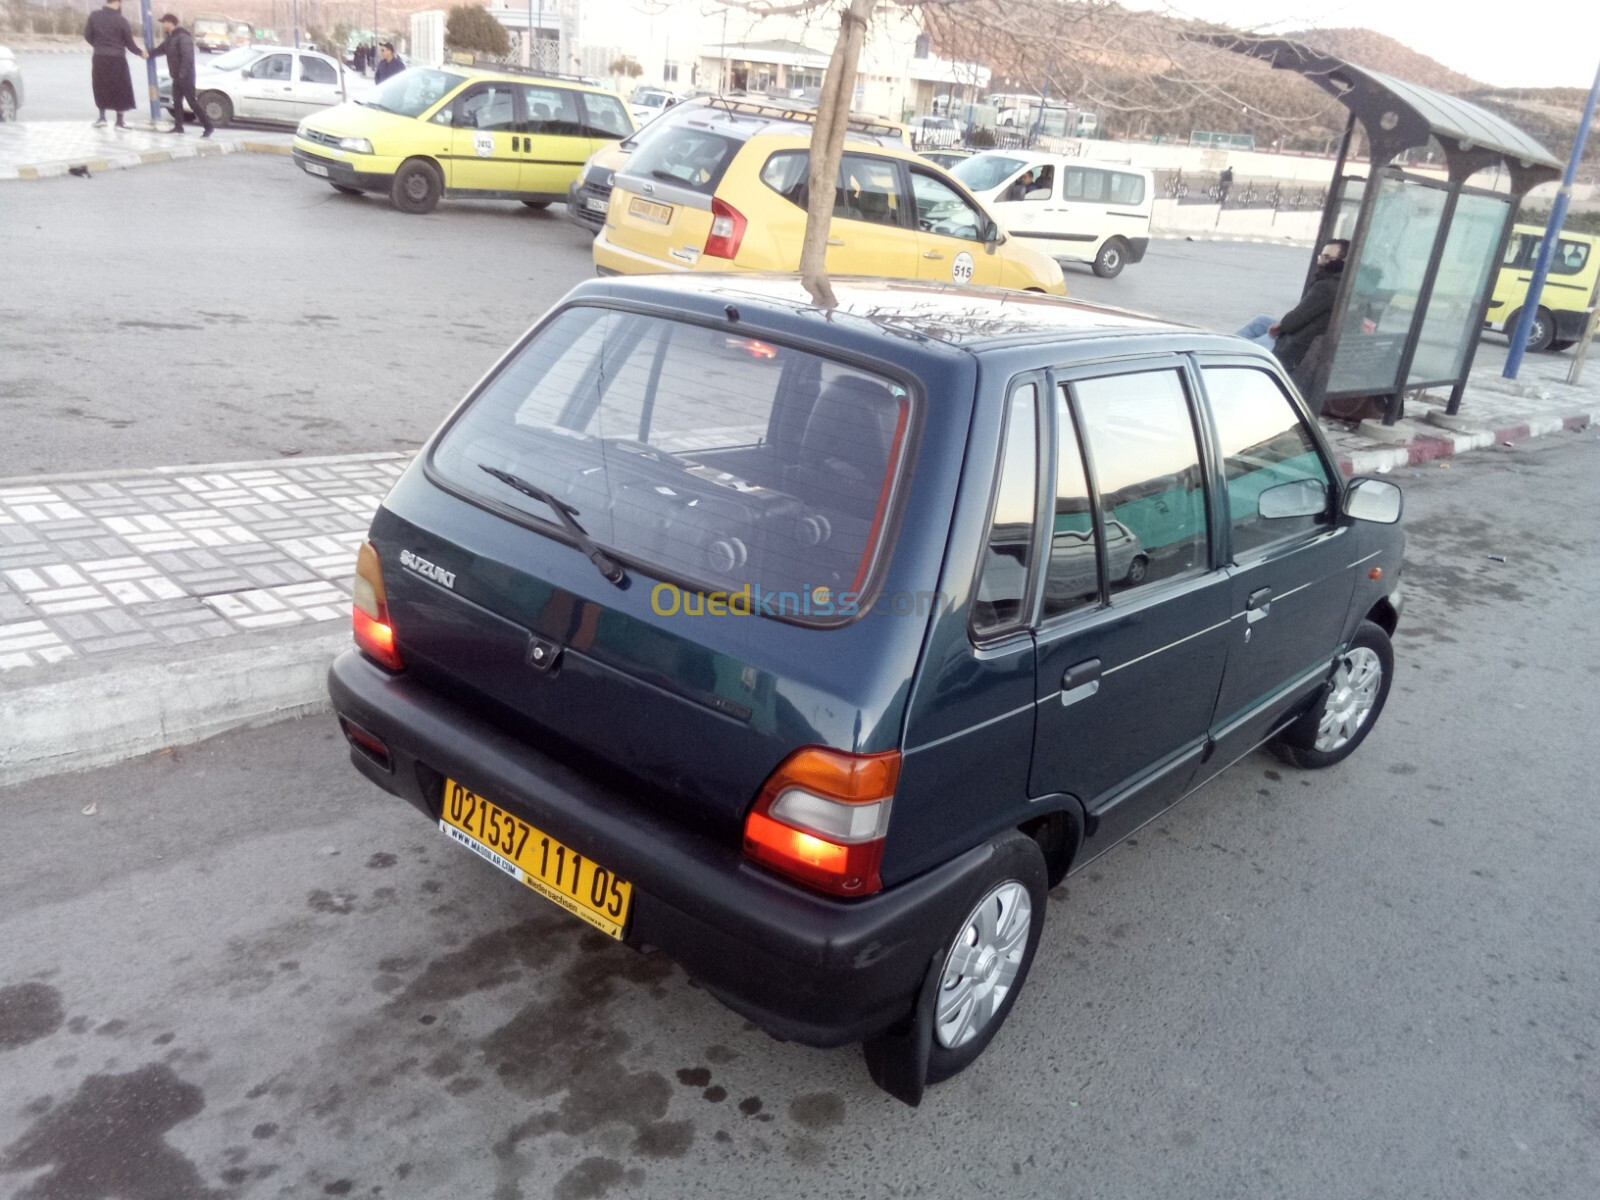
<point>725,192</point>
<point>428,133</point>
<point>1564,303</point>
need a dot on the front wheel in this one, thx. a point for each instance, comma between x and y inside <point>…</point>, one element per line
<point>1112,258</point>
<point>1349,706</point>
<point>974,980</point>
<point>218,109</point>
<point>417,187</point>
<point>8,102</point>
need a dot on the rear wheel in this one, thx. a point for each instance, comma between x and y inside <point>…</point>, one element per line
<point>973,982</point>
<point>417,187</point>
<point>8,102</point>
<point>218,109</point>
<point>1137,569</point>
<point>1348,709</point>
<point>1112,258</point>
<point>1540,334</point>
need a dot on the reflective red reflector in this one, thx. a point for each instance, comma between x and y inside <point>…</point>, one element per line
<point>368,743</point>
<point>1375,573</point>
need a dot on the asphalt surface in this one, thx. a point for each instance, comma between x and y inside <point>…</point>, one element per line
<point>238,970</point>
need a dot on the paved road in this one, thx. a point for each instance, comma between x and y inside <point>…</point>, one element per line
<point>238,970</point>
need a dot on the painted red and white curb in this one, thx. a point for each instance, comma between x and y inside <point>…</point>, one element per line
<point>1426,446</point>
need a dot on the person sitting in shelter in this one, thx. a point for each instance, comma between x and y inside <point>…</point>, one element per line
<point>1291,335</point>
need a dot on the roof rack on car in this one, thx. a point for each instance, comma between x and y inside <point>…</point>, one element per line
<point>807,115</point>
<point>489,64</point>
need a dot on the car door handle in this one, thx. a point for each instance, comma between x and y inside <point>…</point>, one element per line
<point>1080,682</point>
<point>1258,605</point>
<point>933,254</point>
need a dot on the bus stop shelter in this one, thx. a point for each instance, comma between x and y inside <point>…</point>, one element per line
<point>1423,250</point>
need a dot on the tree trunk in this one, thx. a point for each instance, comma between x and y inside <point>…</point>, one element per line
<point>827,148</point>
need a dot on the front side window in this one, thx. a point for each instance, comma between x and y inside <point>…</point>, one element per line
<point>491,106</point>
<point>943,210</point>
<point>1264,445</point>
<point>710,457</point>
<point>605,116</point>
<point>275,67</point>
<point>1003,584</point>
<point>1146,462</point>
<point>984,173</point>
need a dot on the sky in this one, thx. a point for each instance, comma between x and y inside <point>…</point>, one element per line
<point>1486,39</point>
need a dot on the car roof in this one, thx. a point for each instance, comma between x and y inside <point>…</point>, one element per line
<point>970,318</point>
<point>480,73</point>
<point>1570,235</point>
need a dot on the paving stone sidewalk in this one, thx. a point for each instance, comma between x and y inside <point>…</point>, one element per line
<point>93,565</point>
<point>45,149</point>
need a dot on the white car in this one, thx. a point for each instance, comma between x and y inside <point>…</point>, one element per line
<point>648,103</point>
<point>1071,209</point>
<point>268,83</point>
<point>10,85</point>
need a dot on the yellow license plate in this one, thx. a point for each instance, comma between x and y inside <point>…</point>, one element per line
<point>661,214</point>
<point>557,872</point>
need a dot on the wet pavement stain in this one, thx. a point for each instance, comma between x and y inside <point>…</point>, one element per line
<point>817,1110</point>
<point>593,1178</point>
<point>381,860</point>
<point>324,901</point>
<point>694,1076</point>
<point>750,1105</point>
<point>107,1141</point>
<point>28,1012</point>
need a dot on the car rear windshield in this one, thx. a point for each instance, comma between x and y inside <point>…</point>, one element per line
<point>689,157</point>
<point>412,92</point>
<point>708,456</point>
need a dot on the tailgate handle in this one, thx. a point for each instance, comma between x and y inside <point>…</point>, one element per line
<point>933,254</point>
<point>1080,682</point>
<point>1258,605</point>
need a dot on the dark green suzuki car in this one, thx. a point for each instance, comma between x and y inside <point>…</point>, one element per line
<point>813,646</point>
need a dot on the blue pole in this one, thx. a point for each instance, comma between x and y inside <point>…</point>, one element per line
<point>1552,230</point>
<point>150,63</point>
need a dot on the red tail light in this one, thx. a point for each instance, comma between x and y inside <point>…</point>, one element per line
<point>727,230</point>
<point>373,631</point>
<point>822,817</point>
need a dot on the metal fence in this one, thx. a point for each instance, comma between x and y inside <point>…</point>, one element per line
<point>1241,193</point>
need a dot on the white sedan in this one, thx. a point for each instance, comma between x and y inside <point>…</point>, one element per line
<point>268,83</point>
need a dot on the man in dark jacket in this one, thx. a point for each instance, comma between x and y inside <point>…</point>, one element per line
<point>389,63</point>
<point>178,45</point>
<point>1291,335</point>
<point>108,32</point>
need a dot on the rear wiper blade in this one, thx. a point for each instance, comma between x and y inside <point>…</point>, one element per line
<point>565,513</point>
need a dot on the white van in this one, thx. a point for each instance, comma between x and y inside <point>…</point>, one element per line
<point>1070,209</point>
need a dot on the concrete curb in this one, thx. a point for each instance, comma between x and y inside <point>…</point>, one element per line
<point>1420,443</point>
<point>1179,235</point>
<point>141,158</point>
<point>73,720</point>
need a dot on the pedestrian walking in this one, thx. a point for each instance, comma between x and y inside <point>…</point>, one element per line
<point>1224,184</point>
<point>107,30</point>
<point>361,58</point>
<point>389,64</point>
<point>177,43</point>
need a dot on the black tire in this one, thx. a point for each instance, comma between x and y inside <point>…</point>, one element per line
<point>1137,569</point>
<point>1112,258</point>
<point>1298,744</point>
<point>8,103</point>
<point>1540,335</point>
<point>217,108</point>
<point>536,203</point>
<point>924,1049</point>
<point>417,187</point>
<point>346,189</point>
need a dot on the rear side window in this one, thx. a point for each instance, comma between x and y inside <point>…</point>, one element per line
<point>552,111</point>
<point>692,158</point>
<point>1003,583</point>
<point>706,455</point>
<point>868,188</point>
<point>606,118</point>
<point>1126,188</point>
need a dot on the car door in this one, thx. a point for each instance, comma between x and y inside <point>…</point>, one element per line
<point>1291,577</point>
<point>1029,209</point>
<point>1077,215</point>
<point>1128,662</point>
<point>316,86</point>
<point>555,140</point>
<point>266,89</point>
<point>486,139</point>
<point>871,231</point>
<point>950,229</point>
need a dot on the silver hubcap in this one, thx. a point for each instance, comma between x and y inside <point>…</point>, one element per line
<point>1111,258</point>
<point>1349,704</point>
<point>982,965</point>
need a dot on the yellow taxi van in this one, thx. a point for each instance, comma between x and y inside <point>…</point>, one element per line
<point>1568,289</point>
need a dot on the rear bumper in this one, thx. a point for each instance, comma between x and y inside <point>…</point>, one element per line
<point>611,259</point>
<point>816,970</point>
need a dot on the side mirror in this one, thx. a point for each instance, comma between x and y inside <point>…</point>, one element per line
<point>991,232</point>
<point>1297,498</point>
<point>1375,500</point>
